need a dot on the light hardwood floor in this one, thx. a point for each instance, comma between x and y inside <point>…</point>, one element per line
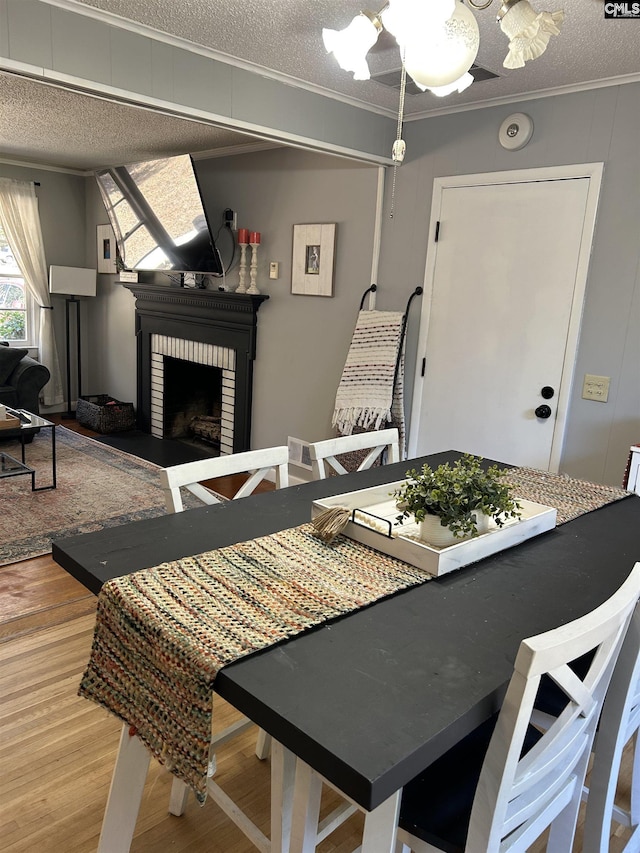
<point>57,750</point>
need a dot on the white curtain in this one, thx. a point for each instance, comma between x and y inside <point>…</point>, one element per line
<point>21,224</point>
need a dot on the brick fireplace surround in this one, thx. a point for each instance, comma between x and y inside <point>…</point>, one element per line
<point>207,327</point>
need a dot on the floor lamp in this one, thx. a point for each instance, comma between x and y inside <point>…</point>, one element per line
<point>72,282</point>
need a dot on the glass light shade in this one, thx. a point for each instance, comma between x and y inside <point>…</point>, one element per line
<point>405,18</point>
<point>443,54</point>
<point>351,45</point>
<point>528,31</point>
<point>458,85</point>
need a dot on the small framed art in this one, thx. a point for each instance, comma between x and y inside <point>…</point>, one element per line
<point>313,259</point>
<point>106,249</point>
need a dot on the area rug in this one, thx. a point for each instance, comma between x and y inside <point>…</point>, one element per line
<point>97,487</point>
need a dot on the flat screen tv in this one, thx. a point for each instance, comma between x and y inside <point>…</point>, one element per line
<point>157,214</point>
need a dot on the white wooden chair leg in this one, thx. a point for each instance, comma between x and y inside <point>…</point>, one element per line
<point>178,797</point>
<point>635,783</point>
<point>263,745</point>
<point>125,794</point>
<point>380,826</point>
<point>306,809</point>
<point>283,770</point>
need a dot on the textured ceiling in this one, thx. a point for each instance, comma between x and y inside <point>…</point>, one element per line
<point>46,125</point>
<point>51,126</point>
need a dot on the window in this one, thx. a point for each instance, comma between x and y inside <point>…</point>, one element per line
<point>14,300</point>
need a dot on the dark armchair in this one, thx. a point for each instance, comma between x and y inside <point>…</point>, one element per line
<point>21,379</point>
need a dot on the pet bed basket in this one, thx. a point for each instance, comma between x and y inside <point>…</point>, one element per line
<point>104,414</point>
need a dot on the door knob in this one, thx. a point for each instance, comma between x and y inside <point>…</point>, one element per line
<point>543,412</point>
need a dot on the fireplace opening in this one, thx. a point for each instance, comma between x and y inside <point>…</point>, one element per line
<point>192,402</point>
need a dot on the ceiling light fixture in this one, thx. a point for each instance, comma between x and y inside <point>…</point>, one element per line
<point>439,41</point>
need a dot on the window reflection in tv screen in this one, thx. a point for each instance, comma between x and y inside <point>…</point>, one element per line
<point>156,212</point>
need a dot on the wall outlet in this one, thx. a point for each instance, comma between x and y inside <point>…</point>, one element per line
<point>230,219</point>
<point>596,388</point>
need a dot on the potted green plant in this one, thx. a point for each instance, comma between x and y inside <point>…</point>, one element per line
<point>451,502</point>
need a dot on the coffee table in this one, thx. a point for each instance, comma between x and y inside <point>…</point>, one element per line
<point>29,424</point>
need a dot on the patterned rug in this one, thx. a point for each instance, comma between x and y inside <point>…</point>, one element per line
<point>97,487</point>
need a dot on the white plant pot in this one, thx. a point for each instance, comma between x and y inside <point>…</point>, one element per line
<point>482,522</point>
<point>436,534</point>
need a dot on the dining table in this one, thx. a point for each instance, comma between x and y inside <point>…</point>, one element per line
<point>368,699</point>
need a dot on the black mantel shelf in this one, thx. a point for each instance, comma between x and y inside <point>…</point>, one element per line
<point>214,305</point>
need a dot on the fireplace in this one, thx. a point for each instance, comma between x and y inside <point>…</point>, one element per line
<point>195,360</point>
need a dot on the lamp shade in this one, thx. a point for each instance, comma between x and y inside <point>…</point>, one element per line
<point>528,31</point>
<point>442,54</point>
<point>72,281</point>
<point>351,45</point>
<point>458,85</point>
<point>407,20</point>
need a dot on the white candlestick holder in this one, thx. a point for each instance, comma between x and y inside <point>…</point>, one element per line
<point>253,271</point>
<point>242,272</point>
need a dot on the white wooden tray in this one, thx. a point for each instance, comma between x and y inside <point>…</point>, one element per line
<point>374,524</point>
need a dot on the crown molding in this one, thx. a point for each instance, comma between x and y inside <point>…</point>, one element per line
<point>529,96</point>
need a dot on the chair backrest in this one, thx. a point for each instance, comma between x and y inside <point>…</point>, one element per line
<point>619,722</point>
<point>324,453</point>
<point>258,463</point>
<point>519,795</point>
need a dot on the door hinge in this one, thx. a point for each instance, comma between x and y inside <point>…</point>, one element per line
<point>424,366</point>
<point>437,231</point>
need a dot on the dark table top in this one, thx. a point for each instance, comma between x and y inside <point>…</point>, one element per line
<point>372,698</point>
<point>97,557</point>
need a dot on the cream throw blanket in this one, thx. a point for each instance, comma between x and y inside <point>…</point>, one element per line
<point>366,396</point>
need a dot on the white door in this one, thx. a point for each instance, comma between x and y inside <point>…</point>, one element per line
<point>504,289</point>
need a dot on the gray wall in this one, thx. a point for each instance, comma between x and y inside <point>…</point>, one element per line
<point>112,363</point>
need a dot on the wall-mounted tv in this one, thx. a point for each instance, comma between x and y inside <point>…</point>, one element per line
<point>157,214</point>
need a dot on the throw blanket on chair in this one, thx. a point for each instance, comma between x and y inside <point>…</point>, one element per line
<point>367,396</point>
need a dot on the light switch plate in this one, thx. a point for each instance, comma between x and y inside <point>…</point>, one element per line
<point>596,388</point>
<point>274,269</point>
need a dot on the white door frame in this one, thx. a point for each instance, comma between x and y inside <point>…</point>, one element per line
<point>594,172</point>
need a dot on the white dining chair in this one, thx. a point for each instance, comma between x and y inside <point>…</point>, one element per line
<point>382,444</point>
<point>619,726</point>
<point>507,782</point>
<point>190,475</point>
<point>257,464</point>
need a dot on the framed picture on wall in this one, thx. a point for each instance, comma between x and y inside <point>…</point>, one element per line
<point>106,249</point>
<point>313,259</point>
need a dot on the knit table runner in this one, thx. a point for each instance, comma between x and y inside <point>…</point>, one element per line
<point>163,634</point>
<point>569,496</point>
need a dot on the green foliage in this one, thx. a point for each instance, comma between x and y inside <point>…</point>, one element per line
<point>455,493</point>
<point>12,325</point>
